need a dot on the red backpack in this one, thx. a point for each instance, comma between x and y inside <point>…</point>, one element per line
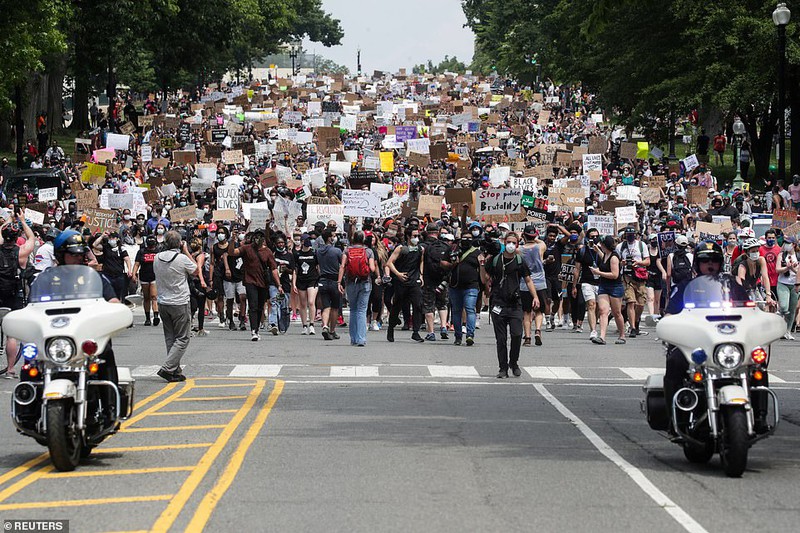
<point>357,263</point>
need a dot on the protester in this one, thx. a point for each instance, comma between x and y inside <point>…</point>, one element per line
<point>610,290</point>
<point>355,275</point>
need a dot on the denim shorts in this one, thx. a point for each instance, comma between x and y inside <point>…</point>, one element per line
<point>616,290</point>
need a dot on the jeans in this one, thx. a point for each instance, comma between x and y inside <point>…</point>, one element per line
<point>358,293</point>
<point>177,322</point>
<point>278,310</point>
<point>787,300</point>
<point>463,300</point>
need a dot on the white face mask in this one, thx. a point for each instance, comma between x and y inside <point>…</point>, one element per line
<point>753,255</point>
<point>160,231</point>
<point>112,243</point>
<point>414,241</point>
<point>221,237</point>
<point>511,247</point>
<point>476,233</point>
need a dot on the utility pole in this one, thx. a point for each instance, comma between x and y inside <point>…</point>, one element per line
<point>358,61</point>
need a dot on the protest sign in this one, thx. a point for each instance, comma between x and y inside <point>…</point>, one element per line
<point>650,195</point>
<point>697,195</point>
<point>184,157</point>
<point>724,222</point>
<point>188,212</point>
<point>421,146</point>
<point>228,198</point>
<point>691,163</point>
<point>572,198</point>
<point>658,181</point>
<point>418,160</point>
<point>567,272</point>
<point>404,133</point>
<point>497,201</point>
<point>604,224</point>
<point>120,201</point>
<point>325,213</point>
<point>224,214</point>
<point>340,168</point>
<point>387,161</point>
<point>117,141</point>
<point>233,157</point>
<point>383,189</point>
<point>666,243</point>
<point>592,162</point>
<point>100,220</point>
<point>361,203</point>
<point>597,145</point>
<point>314,177</point>
<point>628,192</point>
<point>792,231</point>
<point>86,199</point>
<point>35,217</point>
<point>391,207</point>
<point>94,174</point>
<point>430,204</point>
<point>524,183</point>
<point>160,162</point>
<point>499,175</point>
<point>626,215</point>
<point>401,185</point>
<point>259,218</point>
<point>539,217</point>
<point>782,218</point>
<point>46,195</point>
<point>628,150</point>
<point>708,230</point>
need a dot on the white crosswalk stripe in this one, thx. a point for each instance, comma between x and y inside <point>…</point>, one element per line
<point>255,371</point>
<point>354,372</point>
<point>641,373</point>
<point>552,372</point>
<point>145,371</point>
<point>441,371</point>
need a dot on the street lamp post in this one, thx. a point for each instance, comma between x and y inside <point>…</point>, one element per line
<point>781,17</point>
<point>294,52</point>
<point>738,135</point>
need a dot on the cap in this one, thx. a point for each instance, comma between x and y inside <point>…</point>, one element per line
<point>531,230</point>
<point>747,233</point>
<point>681,240</point>
<point>653,236</point>
<point>504,226</point>
<point>630,229</point>
<point>448,237</point>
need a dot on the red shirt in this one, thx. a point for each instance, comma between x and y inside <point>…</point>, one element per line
<point>254,262</point>
<point>770,253</point>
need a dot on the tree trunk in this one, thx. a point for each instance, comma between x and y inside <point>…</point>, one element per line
<point>56,69</point>
<point>794,119</point>
<point>760,130</point>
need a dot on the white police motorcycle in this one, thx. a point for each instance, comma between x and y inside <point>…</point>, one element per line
<point>727,346</point>
<point>60,401</point>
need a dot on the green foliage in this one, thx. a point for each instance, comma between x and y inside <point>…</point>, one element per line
<point>448,64</point>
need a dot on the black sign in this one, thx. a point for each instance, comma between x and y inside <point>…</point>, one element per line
<point>534,213</point>
<point>331,107</point>
<point>185,132</point>
<point>218,135</point>
<point>371,175</point>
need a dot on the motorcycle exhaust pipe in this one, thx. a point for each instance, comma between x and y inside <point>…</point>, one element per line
<point>686,400</point>
<point>24,393</point>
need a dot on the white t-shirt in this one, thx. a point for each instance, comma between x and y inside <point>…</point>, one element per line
<point>44,258</point>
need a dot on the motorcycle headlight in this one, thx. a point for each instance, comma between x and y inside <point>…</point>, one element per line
<point>728,356</point>
<point>60,350</point>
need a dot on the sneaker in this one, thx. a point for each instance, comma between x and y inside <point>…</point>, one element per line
<point>516,372</point>
<point>156,320</point>
<point>374,326</point>
<point>340,322</point>
<point>429,337</point>
<point>632,333</point>
<point>147,322</point>
<point>443,334</point>
<point>537,337</point>
<point>295,317</point>
<point>470,341</point>
<point>326,334</point>
<point>592,334</point>
<point>457,342</point>
<point>549,326</point>
<point>311,330</point>
<point>171,377</point>
<point>273,329</point>
<point>526,341</point>
<point>788,336</point>
<point>415,337</point>
<point>642,333</point>
<point>232,325</point>
<point>503,374</point>
<point>223,324</point>
<point>577,329</point>
<point>202,333</point>
<point>242,326</point>
<point>305,331</point>
<point>254,336</point>
<point>477,323</point>
<point>335,336</point>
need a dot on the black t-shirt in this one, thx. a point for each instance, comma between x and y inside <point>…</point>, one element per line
<point>285,262</point>
<point>587,257</point>
<point>306,266</point>
<point>467,274</point>
<point>218,251</point>
<point>145,258</point>
<point>556,250</point>
<point>113,261</point>
<point>408,263</point>
<point>236,266</point>
<point>506,275</point>
<point>435,251</point>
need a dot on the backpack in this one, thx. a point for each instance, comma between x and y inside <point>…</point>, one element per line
<point>9,269</point>
<point>357,263</point>
<point>681,267</point>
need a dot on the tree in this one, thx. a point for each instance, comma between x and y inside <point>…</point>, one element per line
<point>448,64</point>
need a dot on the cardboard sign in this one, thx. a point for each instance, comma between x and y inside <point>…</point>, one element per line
<point>792,231</point>
<point>697,195</point>
<point>650,195</point>
<point>597,145</point>
<point>325,213</point>
<point>160,162</point>
<point>419,160</point>
<point>628,150</point>
<point>361,203</point>
<point>86,199</point>
<point>655,181</point>
<point>183,213</point>
<point>708,230</point>
<point>626,215</point>
<point>228,198</point>
<point>783,218</point>
<point>458,197</point>
<point>233,157</point>
<point>224,214</point>
<point>184,157</point>
<point>604,224</point>
<point>567,197</point>
<point>438,152</point>
<point>497,201</point>
<point>430,204</point>
<point>100,220</point>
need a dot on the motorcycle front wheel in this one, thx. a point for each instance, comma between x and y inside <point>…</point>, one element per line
<point>735,443</point>
<point>63,439</point>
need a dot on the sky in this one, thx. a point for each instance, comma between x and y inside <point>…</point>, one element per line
<point>393,35</point>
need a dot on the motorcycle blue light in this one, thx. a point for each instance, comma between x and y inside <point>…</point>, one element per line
<point>29,352</point>
<point>699,356</point>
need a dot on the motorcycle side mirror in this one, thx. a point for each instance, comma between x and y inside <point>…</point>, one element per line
<point>699,356</point>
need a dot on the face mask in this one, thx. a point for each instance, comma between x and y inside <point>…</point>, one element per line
<point>281,248</point>
<point>183,204</point>
<point>731,243</point>
<point>241,237</point>
<point>654,243</point>
<point>160,231</point>
<point>126,217</point>
<point>476,233</point>
<point>206,210</point>
<point>630,238</point>
<point>511,247</point>
<point>414,241</point>
<point>770,242</point>
<point>753,255</point>
<point>112,243</point>
<point>273,198</point>
<point>296,242</point>
<point>221,237</point>
<point>573,238</point>
<point>466,245</point>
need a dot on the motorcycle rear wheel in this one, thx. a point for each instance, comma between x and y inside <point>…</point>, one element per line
<point>735,443</point>
<point>698,454</point>
<point>63,440</point>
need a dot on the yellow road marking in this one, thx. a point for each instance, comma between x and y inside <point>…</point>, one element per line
<point>34,476</point>
<point>121,472</point>
<point>224,385</point>
<point>11,474</point>
<point>199,412</point>
<point>152,448</point>
<point>212,498</point>
<point>80,503</point>
<point>174,428</point>
<point>210,398</point>
<point>176,505</point>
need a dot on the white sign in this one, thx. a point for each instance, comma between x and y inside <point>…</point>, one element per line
<point>592,162</point>
<point>691,163</point>
<point>372,163</point>
<point>35,217</point>
<point>381,188</point>
<point>420,146</point>
<point>361,203</point>
<point>248,208</point>
<point>228,197</point>
<point>499,175</point>
<point>340,168</point>
<point>325,213</point>
<point>348,122</point>
<point>524,184</point>
<point>628,192</point>
<point>147,153</point>
<point>120,201</point>
<point>604,224</point>
<point>117,141</point>
<point>45,195</point>
<point>626,215</point>
<point>391,207</point>
<point>315,177</point>
<point>497,201</point>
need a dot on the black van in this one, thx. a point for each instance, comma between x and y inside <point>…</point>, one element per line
<point>35,179</point>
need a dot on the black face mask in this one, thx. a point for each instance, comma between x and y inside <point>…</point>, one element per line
<point>466,244</point>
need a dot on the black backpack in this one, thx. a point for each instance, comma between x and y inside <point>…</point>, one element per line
<point>681,267</point>
<point>10,281</point>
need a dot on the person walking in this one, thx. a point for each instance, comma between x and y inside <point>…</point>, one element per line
<point>406,265</point>
<point>171,268</point>
<point>355,275</point>
<point>329,259</point>
<point>610,290</point>
<point>787,285</point>
<point>503,273</point>
<point>464,289</point>
<point>532,252</point>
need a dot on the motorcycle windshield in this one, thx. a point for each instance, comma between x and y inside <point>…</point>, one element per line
<point>713,292</point>
<point>71,282</point>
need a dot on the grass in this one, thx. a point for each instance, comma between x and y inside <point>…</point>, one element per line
<point>65,138</point>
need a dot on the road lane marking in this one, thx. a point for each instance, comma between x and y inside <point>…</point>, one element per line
<point>11,474</point>
<point>775,379</point>
<point>199,412</point>
<point>120,472</point>
<point>145,371</point>
<point>662,500</point>
<point>156,447</point>
<point>174,428</point>
<point>210,398</point>
<point>552,372</point>
<point>224,385</point>
<point>354,371</point>
<point>441,371</point>
<point>213,497</point>
<point>641,373</point>
<point>179,500</point>
<point>80,503</point>
<point>261,371</point>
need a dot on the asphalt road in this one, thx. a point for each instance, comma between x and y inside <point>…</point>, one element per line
<point>297,434</point>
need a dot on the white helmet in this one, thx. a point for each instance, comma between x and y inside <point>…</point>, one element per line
<point>750,243</point>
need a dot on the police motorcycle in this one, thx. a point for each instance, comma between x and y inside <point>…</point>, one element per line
<point>724,403</point>
<point>61,401</point>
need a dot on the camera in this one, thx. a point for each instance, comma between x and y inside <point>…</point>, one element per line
<point>442,287</point>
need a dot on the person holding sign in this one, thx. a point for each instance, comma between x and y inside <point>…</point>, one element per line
<point>610,290</point>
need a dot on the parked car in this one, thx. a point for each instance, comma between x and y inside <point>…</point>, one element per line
<point>35,179</point>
